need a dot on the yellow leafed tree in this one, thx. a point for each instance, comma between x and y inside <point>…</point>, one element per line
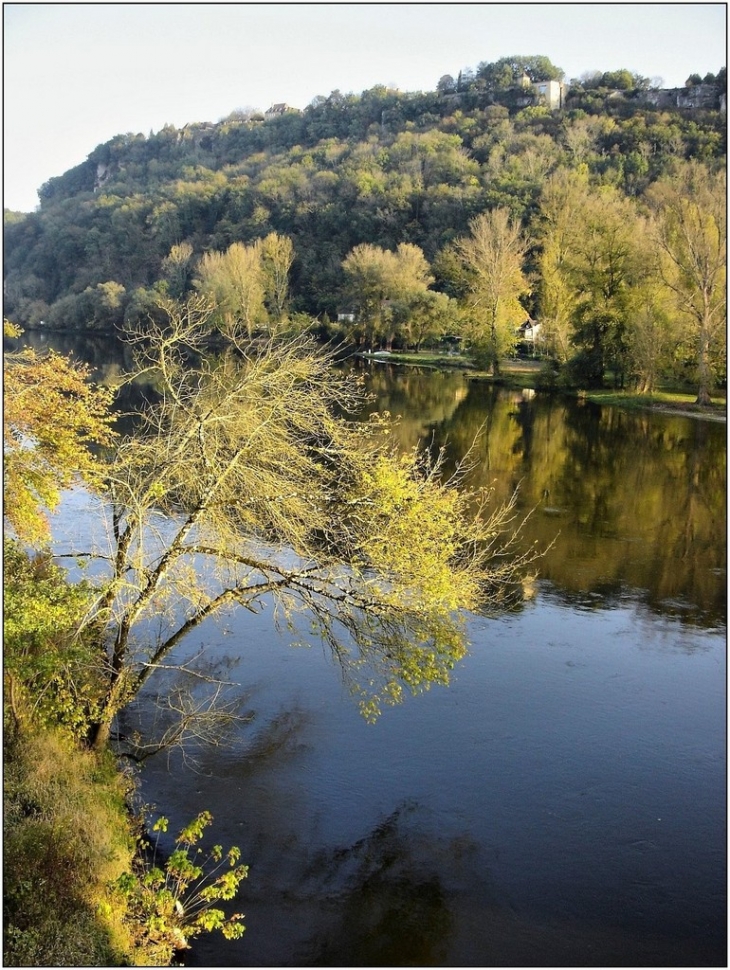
<point>52,414</point>
<point>267,492</point>
<point>491,261</point>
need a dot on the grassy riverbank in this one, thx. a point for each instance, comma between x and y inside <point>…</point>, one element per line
<point>67,837</point>
<point>526,373</point>
<point>80,886</point>
<point>674,402</point>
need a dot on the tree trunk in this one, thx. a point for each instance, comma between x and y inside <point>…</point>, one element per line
<point>705,377</point>
<point>99,732</point>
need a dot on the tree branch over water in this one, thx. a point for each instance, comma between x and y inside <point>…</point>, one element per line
<point>245,483</point>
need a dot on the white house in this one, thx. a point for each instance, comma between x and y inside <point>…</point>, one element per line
<point>529,331</point>
<point>550,93</point>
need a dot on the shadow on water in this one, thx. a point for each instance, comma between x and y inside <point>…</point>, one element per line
<point>391,908</point>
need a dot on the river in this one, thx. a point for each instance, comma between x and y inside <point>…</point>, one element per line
<point>562,802</point>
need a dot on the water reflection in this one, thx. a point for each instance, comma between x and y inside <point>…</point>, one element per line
<point>392,908</point>
<point>633,500</point>
<point>563,802</point>
<point>630,500</point>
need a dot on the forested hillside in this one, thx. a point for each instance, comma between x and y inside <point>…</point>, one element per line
<point>400,211</point>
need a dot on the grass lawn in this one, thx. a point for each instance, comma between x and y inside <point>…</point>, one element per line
<point>680,401</point>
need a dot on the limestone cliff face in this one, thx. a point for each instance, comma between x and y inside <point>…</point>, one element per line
<point>102,176</point>
<point>698,96</point>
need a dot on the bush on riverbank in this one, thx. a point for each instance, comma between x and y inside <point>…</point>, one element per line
<point>78,891</point>
<point>67,835</point>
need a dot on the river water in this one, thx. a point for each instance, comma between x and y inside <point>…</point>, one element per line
<point>562,802</point>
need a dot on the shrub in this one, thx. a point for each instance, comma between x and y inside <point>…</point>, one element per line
<point>51,676</point>
<point>172,902</point>
<point>66,836</point>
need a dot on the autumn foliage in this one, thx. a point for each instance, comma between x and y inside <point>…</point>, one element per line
<point>52,414</point>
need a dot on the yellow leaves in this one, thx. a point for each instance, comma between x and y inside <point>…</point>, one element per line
<point>422,654</point>
<point>412,534</point>
<point>248,283</point>
<point>377,276</point>
<point>156,490</point>
<point>248,482</point>
<point>490,265</point>
<point>193,832</point>
<point>52,414</point>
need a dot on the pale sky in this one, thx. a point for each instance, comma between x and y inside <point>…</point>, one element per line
<point>75,75</point>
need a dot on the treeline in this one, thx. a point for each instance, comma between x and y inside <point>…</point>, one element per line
<point>386,170</point>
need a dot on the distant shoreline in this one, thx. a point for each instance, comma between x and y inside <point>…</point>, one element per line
<point>518,372</point>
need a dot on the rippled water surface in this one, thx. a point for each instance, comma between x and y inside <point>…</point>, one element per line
<point>562,803</point>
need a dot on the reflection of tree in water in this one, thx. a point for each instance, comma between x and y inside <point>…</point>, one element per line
<point>653,489</point>
<point>631,501</point>
<point>524,416</point>
<point>423,400</point>
<point>392,909</point>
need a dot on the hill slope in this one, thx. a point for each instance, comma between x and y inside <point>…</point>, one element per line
<point>383,168</point>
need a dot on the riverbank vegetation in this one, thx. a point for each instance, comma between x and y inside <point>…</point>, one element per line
<point>79,889</point>
<point>594,223</point>
<point>245,483</point>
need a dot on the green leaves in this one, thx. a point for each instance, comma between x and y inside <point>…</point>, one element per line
<point>172,902</point>
<point>51,672</point>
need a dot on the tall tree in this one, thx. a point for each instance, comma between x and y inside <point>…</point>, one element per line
<point>653,335</point>
<point>491,261</point>
<point>691,232</point>
<point>176,269</point>
<point>367,283</point>
<point>604,265</point>
<point>277,255</point>
<point>234,281</point>
<point>561,203</point>
<point>386,286</point>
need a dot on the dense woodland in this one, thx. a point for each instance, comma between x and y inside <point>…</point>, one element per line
<point>460,212</point>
